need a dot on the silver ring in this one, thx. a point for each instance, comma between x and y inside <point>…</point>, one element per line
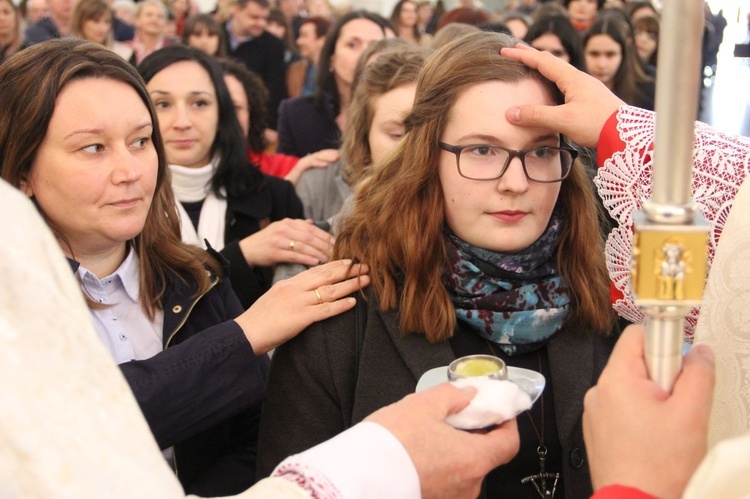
<point>317,295</point>
<point>292,244</point>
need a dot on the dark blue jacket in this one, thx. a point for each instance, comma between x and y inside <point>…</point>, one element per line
<point>305,127</point>
<point>41,31</point>
<point>202,394</point>
<point>265,56</point>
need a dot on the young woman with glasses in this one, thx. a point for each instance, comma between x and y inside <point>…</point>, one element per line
<point>482,238</point>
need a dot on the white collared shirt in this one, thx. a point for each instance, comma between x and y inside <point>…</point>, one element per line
<point>124,329</point>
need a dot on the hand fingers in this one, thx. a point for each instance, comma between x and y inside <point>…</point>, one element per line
<point>330,273</point>
<point>333,292</point>
<point>305,253</point>
<point>310,243</point>
<point>695,384</point>
<point>305,231</point>
<point>627,356</point>
<point>501,443</point>
<point>445,399</point>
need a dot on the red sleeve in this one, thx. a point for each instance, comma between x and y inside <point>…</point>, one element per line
<point>620,492</point>
<point>609,141</point>
<point>276,164</point>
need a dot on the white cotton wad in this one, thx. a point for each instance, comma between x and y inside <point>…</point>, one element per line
<point>495,402</point>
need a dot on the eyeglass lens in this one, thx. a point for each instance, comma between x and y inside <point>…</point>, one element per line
<point>545,164</point>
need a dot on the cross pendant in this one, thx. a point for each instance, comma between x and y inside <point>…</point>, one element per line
<point>540,479</point>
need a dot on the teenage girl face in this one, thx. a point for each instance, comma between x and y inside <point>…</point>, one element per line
<point>645,43</point>
<point>354,38</point>
<point>506,214</point>
<point>94,175</point>
<point>387,127</point>
<point>408,14</point>
<point>603,58</point>
<point>185,101</point>
<point>97,30</point>
<point>582,11</point>
<point>7,18</point>
<point>204,41</point>
<point>239,101</point>
<point>550,42</point>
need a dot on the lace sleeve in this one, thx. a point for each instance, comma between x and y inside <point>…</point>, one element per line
<point>720,164</point>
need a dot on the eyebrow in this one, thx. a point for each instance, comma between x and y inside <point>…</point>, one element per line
<point>99,131</point>
<point>194,92</point>
<point>491,139</point>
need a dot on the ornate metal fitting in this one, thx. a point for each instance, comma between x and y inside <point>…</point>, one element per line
<point>669,262</point>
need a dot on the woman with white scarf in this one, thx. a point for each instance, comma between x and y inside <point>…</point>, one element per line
<point>254,220</point>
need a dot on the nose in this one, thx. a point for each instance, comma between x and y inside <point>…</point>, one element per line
<point>514,179</point>
<point>127,167</point>
<point>181,117</point>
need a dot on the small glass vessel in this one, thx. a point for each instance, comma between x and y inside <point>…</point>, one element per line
<point>477,366</point>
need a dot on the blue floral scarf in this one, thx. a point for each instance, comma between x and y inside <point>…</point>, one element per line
<point>515,300</point>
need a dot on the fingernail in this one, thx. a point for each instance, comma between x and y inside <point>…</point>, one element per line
<point>514,115</point>
<point>705,352</point>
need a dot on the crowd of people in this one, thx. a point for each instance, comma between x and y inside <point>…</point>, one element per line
<point>251,232</point>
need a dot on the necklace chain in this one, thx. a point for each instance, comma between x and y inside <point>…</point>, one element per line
<point>545,483</point>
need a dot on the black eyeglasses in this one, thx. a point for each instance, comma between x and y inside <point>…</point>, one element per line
<point>544,164</point>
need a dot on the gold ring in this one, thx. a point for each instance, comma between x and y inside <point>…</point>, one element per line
<point>292,244</point>
<point>317,294</point>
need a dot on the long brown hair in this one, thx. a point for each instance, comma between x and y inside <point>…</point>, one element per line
<point>398,219</point>
<point>392,68</point>
<point>30,82</point>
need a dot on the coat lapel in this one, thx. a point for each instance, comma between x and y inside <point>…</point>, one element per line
<point>418,354</point>
<point>571,358</point>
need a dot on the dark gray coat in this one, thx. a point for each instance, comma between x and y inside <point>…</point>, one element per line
<point>313,394</point>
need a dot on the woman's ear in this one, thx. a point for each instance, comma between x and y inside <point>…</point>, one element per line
<point>25,187</point>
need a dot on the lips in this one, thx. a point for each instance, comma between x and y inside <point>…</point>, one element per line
<point>125,203</point>
<point>182,143</point>
<point>509,216</point>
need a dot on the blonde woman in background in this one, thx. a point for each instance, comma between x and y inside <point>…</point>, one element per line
<point>150,26</point>
<point>92,21</point>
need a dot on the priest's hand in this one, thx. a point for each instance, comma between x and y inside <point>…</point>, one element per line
<point>449,462</point>
<point>638,435</point>
<point>588,102</point>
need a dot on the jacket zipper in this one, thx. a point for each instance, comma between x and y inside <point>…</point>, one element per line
<point>166,345</point>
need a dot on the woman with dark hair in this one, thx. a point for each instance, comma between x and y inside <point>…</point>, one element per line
<point>203,32</point>
<point>481,238</point>
<point>582,12</point>
<point>249,97</point>
<point>252,218</point>
<point>463,15</point>
<point>163,310</point>
<point>557,35</point>
<point>405,18</point>
<point>309,124</point>
<point>611,58</point>
<point>11,34</point>
<point>634,10</point>
<point>646,38</point>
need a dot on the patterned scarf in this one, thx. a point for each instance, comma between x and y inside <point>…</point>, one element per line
<point>515,300</point>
